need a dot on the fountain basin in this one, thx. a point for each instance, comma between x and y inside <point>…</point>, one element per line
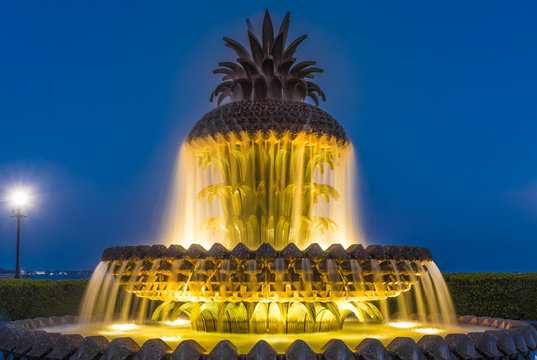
<point>472,338</point>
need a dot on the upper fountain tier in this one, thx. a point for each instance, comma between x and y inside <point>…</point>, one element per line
<point>267,90</point>
<point>278,116</point>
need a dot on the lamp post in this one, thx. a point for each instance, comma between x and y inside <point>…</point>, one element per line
<point>19,199</point>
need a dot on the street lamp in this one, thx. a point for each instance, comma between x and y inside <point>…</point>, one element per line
<point>19,199</point>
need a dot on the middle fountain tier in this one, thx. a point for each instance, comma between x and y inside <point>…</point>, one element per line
<point>264,290</point>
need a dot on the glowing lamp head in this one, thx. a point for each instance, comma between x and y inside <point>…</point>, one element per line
<point>19,198</point>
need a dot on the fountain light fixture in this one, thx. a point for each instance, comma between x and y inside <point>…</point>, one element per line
<point>177,322</point>
<point>123,327</point>
<point>429,331</point>
<point>402,324</point>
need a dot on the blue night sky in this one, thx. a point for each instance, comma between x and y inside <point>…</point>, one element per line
<point>438,98</point>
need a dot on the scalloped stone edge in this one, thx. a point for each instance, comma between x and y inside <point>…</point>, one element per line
<point>265,251</point>
<point>508,338</point>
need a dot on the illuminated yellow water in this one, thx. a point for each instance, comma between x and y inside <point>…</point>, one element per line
<point>352,334</point>
<point>277,189</point>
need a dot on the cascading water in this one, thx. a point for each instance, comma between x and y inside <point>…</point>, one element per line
<point>266,188</point>
<point>414,289</point>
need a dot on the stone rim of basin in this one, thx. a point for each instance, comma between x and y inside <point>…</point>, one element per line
<point>508,338</point>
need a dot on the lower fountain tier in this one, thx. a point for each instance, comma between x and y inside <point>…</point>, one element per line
<point>267,275</point>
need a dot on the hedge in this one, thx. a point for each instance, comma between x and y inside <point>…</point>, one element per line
<point>26,299</point>
<point>502,295</point>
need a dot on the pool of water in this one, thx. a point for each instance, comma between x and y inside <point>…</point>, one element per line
<point>174,333</point>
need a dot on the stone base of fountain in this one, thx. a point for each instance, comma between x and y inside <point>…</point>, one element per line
<point>505,339</point>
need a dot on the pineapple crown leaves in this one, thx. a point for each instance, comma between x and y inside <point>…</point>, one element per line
<point>268,70</point>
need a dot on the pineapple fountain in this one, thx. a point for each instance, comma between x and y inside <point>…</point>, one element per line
<point>267,190</point>
<point>264,254</point>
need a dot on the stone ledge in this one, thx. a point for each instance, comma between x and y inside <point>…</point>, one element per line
<point>266,251</point>
<point>506,338</point>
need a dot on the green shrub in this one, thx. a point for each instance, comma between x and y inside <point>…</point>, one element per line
<point>503,295</point>
<point>25,298</point>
